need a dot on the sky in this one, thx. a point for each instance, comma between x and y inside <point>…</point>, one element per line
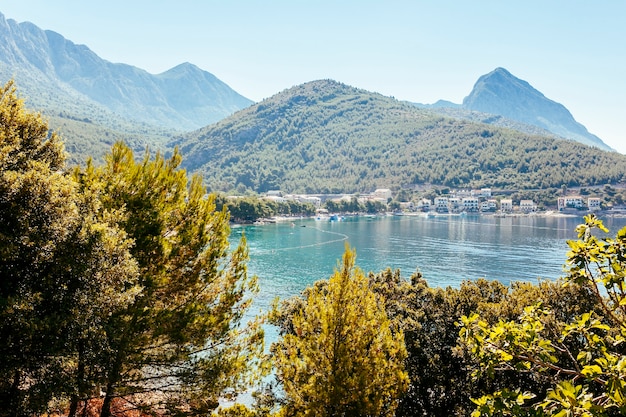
<point>573,51</point>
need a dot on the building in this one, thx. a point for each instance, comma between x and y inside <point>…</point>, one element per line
<point>454,205</point>
<point>471,204</point>
<point>424,204</point>
<point>570,202</point>
<point>441,204</point>
<point>527,206</point>
<point>506,205</point>
<point>316,201</point>
<point>594,203</point>
<point>490,205</point>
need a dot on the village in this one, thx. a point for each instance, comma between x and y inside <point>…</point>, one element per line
<point>455,202</point>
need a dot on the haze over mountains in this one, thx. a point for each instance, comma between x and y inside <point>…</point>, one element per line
<point>505,133</point>
<point>53,72</point>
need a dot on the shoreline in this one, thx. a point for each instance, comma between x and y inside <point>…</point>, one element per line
<point>547,213</point>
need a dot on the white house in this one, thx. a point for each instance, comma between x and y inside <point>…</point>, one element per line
<point>489,205</point>
<point>593,203</point>
<point>441,204</point>
<point>454,205</point>
<point>569,202</point>
<point>527,206</point>
<point>506,205</point>
<point>316,201</point>
<point>424,204</point>
<point>471,203</point>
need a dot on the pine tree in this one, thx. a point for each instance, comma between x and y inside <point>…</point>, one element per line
<point>181,344</point>
<point>342,357</point>
<point>62,271</point>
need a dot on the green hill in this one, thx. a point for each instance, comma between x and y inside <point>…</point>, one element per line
<point>325,136</point>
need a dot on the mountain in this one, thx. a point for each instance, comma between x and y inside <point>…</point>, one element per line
<point>520,106</point>
<point>58,77</point>
<point>324,136</point>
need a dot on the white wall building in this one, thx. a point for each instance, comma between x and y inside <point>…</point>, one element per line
<point>575,201</point>
<point>488,205</point>
<point>594,203</point>
<point>506,205</point>
<point>471,204</point>
<point>441,204</point>
<point>527,206</point>
<point>424,204</point>
<point>454,205</point>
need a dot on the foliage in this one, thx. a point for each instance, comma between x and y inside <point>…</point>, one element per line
<point>180,340</point>
<point>64,269</point>
<point>440,370</point>
<point>354,206</point>
<point>583,355</point>
<point>250,208</point>
<point>326,137</point>
<point>85,139</point>
<point>341,355</point>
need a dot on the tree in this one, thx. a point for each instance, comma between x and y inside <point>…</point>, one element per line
<point>438,368</point>
<point>63,270</point>
<point>583,356</point>
<point>340,356</point>
<point>181,343</point>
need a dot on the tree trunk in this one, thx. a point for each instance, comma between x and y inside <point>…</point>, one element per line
<point>73,406</point>
<point>106,405</point>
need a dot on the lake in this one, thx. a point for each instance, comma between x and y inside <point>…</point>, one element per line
<point>289,256</point>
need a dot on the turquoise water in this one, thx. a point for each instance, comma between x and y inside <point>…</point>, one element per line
<point>288,256</point>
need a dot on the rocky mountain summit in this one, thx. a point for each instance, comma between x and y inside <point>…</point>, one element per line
<point>53,72</point>
<point>501,93</point>
<point>501,99</point>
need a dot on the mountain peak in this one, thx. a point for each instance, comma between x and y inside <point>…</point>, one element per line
<point>501,93</point>
<point>45,64</point>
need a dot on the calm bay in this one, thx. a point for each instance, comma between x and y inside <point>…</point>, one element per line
<point>289,256</point>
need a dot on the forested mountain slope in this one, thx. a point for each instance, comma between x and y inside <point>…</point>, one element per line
<point>325,136</point>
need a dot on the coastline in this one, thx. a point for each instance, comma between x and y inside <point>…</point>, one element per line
<point>343,216</point>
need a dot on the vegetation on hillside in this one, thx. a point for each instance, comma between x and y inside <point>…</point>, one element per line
<point>85,139</point>
<point>306,138</point>
<point>251,208</point>
<point>87,128</point>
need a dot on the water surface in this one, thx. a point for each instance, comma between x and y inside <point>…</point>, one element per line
<point>288,256</point>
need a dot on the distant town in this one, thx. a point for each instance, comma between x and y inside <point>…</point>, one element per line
<point>455,202</point>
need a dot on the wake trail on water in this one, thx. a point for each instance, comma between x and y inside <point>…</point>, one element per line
<point>342,238</point>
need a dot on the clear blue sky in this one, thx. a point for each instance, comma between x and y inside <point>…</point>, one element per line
<point>573,51</point>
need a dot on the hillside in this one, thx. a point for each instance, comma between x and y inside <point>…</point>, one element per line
<point>325,136</point>
<point>501,99</point>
